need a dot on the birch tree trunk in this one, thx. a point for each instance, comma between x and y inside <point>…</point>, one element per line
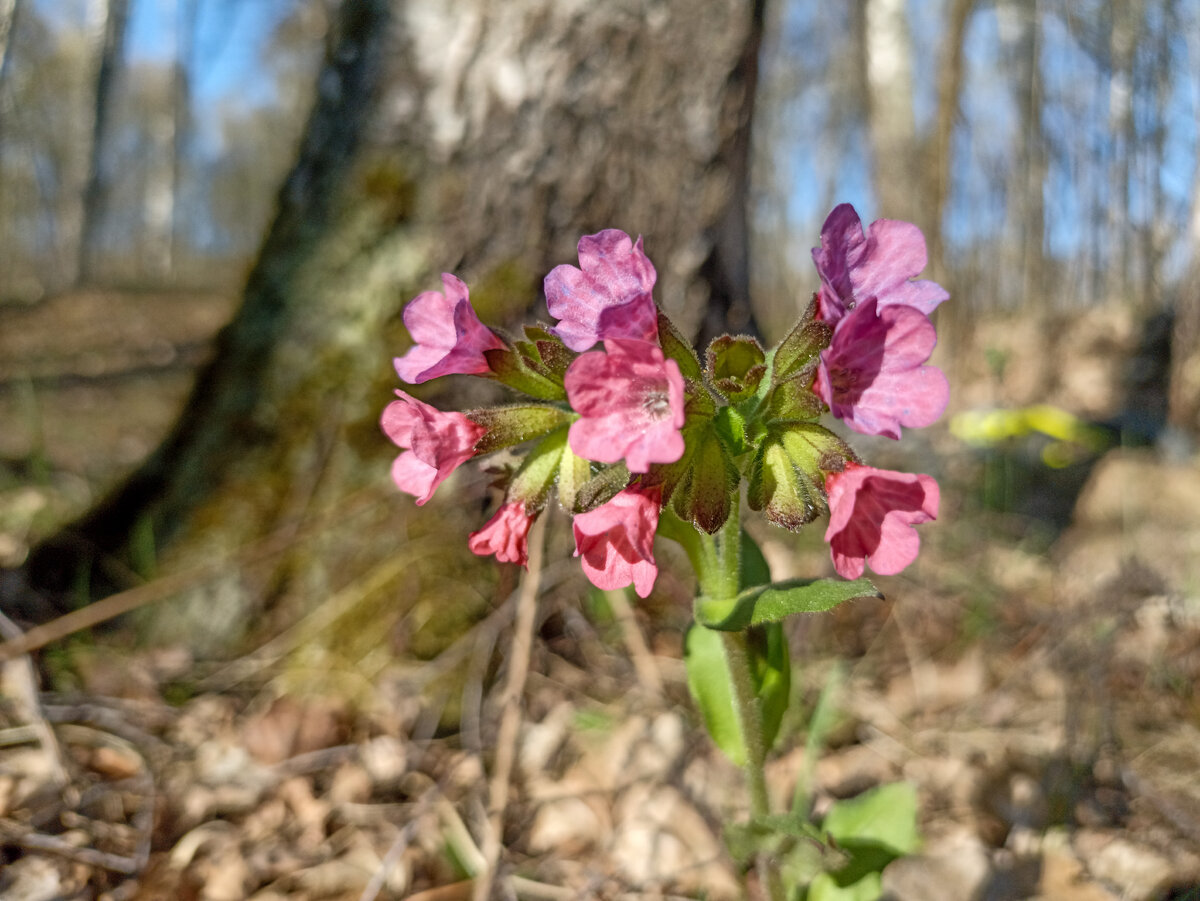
<point>464,136</point>
<point>889,82</point>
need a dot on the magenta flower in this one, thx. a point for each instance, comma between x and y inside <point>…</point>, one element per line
<point>871,515</point>
<point>450,339</point>
<point>505,535</point>
<point>439,443</point>
<point>630,402</point>
<point>616,541</point>
<point>609,297</point>
<point>882,263</point>
<point>872,376</point>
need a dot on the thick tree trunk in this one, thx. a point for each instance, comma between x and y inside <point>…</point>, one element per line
<point>467,136</point>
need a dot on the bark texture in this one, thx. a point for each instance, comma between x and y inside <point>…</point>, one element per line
<point>464,136</point>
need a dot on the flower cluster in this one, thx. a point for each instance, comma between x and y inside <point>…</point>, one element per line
<point>625,422</point>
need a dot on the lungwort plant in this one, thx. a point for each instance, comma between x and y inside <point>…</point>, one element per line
<point>640,436</point>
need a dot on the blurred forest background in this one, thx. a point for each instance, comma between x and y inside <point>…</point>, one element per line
<point>212,212</point>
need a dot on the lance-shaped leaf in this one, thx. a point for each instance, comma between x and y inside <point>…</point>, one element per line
<point>512,368</point>
<point>676,347</point>
<point>787,474</point>
<point>710,683</point>
<point>537,473</point>
<point>703,493</point>
<point>509,426</point>
<point>774,603</point>
<point>803,343</point>
<point>736,365</point>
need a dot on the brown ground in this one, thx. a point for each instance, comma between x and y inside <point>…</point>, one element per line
<point>1039,689</point>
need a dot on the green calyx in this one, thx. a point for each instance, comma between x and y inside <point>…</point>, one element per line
<point>787,474</point>
<point>736,366</point>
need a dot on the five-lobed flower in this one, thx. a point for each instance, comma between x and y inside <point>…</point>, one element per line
<point>449,338</point>
<point>630,401</point>
<point>608,296</point>
<point>871,515</point>
<point>616,540</point>
<point>437,443</point>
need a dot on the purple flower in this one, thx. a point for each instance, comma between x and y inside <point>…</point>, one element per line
<point>608,297</point>
<point>630,402</point>
<point>616,540</point>
<point>438,444</point>
<point>872,376</point>
<point>450,339</point>
<point>883,263</point>
<point>871,515</point>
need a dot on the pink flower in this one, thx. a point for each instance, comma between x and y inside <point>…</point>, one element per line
<point>450,339</point>
<point>609,297</point>
<point>871,514</point>
<point>871,374</point>
<point>505,535</point>
<point>630,402</point>
<point>440,443</point>
<point>616,541</point>
<point>883,264</point>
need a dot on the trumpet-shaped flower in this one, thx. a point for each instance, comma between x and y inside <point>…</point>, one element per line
<point>882,263</point>
<point>608,296</point>
<point>616,541</point>
<point>450,339</point>
<point>871,517</point>
<point>872,376</point>
<point>437,443</point>
<point>630,401</point>
<point>505,535</point>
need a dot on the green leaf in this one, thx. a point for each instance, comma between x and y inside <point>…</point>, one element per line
<point>772,675</point>
<point>709,480</point>
<point>711,684</point>
<point>676,347</point>
<point>803,343</point>
<point>825,888</point>
<point>884,817</point>
<point>509,426</point>
<point>773,603</point>
<point>512,368</point>
<point>754,570</point>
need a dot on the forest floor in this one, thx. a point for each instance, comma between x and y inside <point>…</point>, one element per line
<point>1034,675</point>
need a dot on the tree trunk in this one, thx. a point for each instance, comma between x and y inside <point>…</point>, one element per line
<point>471,137</point>
<point>889,81</point>
<point>108,61</point>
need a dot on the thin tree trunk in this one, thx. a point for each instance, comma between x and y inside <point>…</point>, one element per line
<point>889,79</point>
<point>949,90</point>
<point>472,137</point>
<point>109,58</point>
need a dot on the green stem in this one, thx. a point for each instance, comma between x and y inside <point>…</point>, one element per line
<point>718,561</point>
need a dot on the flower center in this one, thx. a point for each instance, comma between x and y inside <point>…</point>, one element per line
<point>656,403</point>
